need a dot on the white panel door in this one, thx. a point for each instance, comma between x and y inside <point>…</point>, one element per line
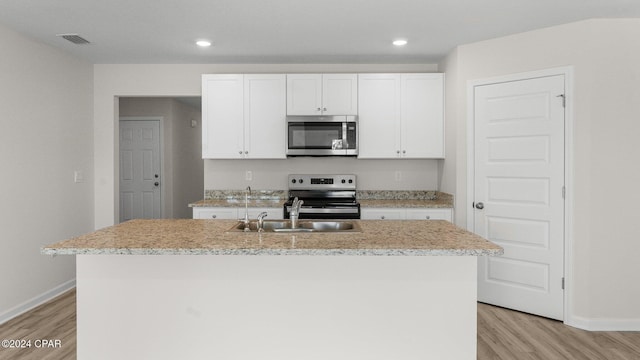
<point>222,117</point>
<point>519,202</point>
<point>422,116</point>
<point>265,116</point>
<point>379,114</point>
<point>140,195</point>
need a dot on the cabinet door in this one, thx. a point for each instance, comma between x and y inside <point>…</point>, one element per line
<point>272,213</point>
<point>304,94</point>
<point>382,214</point>
<point>222,117</point>
<point>340,94</point>
<point>215,213</point>
<point>422,116</point>
<point>378,116</point>
<point>430,214</point>
<point>265,116</point>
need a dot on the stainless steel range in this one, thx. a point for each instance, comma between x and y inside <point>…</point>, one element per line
<point>323,196</point>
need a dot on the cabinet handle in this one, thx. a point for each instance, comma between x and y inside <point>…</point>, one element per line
<point>428,217</point>
<point>382,217</point>
<point>404,151</point>
<point>397,151</point>
<point>319,109</point>
<point>240,152</point>
<point>324,109</point>
<point>246,152</point>
<point>214,216</point>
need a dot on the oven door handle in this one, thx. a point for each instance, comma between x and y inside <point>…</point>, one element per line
<point>304,210</point>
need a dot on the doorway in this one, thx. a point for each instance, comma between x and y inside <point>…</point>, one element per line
<point>182,167</point>
<point>518,190</point>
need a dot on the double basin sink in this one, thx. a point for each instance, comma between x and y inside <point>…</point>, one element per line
<point>284,226</point>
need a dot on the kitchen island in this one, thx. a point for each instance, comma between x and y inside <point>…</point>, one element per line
<point>189,289</point>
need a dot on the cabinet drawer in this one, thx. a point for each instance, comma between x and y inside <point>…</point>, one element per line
<point>215,213</point>
<point>382,214</point>
<point>430,214</point>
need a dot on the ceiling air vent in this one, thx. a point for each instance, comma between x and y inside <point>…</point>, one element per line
<point>74,38</point>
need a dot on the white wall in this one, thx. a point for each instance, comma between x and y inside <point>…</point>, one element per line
<point>111,81</point>
<point>272,174</point>
<point>182,164</point>
<point>46,134</point>
<point>604,54</point>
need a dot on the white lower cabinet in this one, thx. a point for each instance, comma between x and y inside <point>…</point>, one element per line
<point>407,214</point>
<point>234,213</point>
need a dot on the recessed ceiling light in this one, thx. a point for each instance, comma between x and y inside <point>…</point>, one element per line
<point>400,42</point>
<point>203,43</point>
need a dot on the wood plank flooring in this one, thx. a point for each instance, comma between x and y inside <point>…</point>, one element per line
<point>54,320</point>
<point>505,334</point>
<point>502,335</point>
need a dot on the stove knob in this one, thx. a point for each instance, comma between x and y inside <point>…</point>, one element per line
<point>350,181</point>
<point>293,181</point>
<point>344,181</point>
<point>300,181</point>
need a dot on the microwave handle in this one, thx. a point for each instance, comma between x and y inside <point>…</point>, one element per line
<point>345,141</point>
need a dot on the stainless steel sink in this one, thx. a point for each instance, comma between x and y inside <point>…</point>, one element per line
<point>284,226</point>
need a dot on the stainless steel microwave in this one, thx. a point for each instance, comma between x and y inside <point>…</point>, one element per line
<point>322,135</point>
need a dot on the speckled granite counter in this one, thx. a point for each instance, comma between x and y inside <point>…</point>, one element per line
<point>210,237</point>
<point>237,202</point>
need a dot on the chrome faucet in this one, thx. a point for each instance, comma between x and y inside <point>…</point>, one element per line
<point>247,193</point>
<point>261,217</point>
<point>295,212</point>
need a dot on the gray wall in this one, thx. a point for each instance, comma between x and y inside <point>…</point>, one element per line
<point>46,133</point>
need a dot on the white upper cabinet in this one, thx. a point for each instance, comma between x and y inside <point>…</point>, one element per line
<point>422,116</point>
<point>222,116</point>
<point>265,116</point>
<point>401,116</point>
<point>322,94</point>
<point>244,116</point>
<point>379,115</point>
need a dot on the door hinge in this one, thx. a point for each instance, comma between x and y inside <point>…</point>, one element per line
<point>562,283</point>
<point>564,191</point>
<point>564,100</point>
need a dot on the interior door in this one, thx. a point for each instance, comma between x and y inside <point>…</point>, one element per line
<point>519,193</point>
<point>140,195</point>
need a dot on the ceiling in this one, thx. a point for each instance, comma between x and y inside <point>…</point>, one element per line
<point>288,31</point>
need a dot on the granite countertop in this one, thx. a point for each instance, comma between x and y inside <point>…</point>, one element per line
<point>236,202</point>
<point>210,237</point>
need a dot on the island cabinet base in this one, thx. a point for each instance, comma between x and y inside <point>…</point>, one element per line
<point>276,307</point>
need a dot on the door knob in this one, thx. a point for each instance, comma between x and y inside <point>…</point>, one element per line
<point>156,183</point>
<point>479,206</point>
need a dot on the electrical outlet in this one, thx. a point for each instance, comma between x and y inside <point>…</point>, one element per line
<point>398,176</point>
<point>248,175</point>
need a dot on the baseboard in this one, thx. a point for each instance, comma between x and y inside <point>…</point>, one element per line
<point>36,301</point>
<point>604,324</point>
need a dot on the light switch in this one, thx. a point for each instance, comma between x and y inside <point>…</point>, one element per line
<point>78,176</point>
<point>248,176</point>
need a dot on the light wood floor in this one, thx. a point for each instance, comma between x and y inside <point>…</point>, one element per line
<point>502,335</point>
